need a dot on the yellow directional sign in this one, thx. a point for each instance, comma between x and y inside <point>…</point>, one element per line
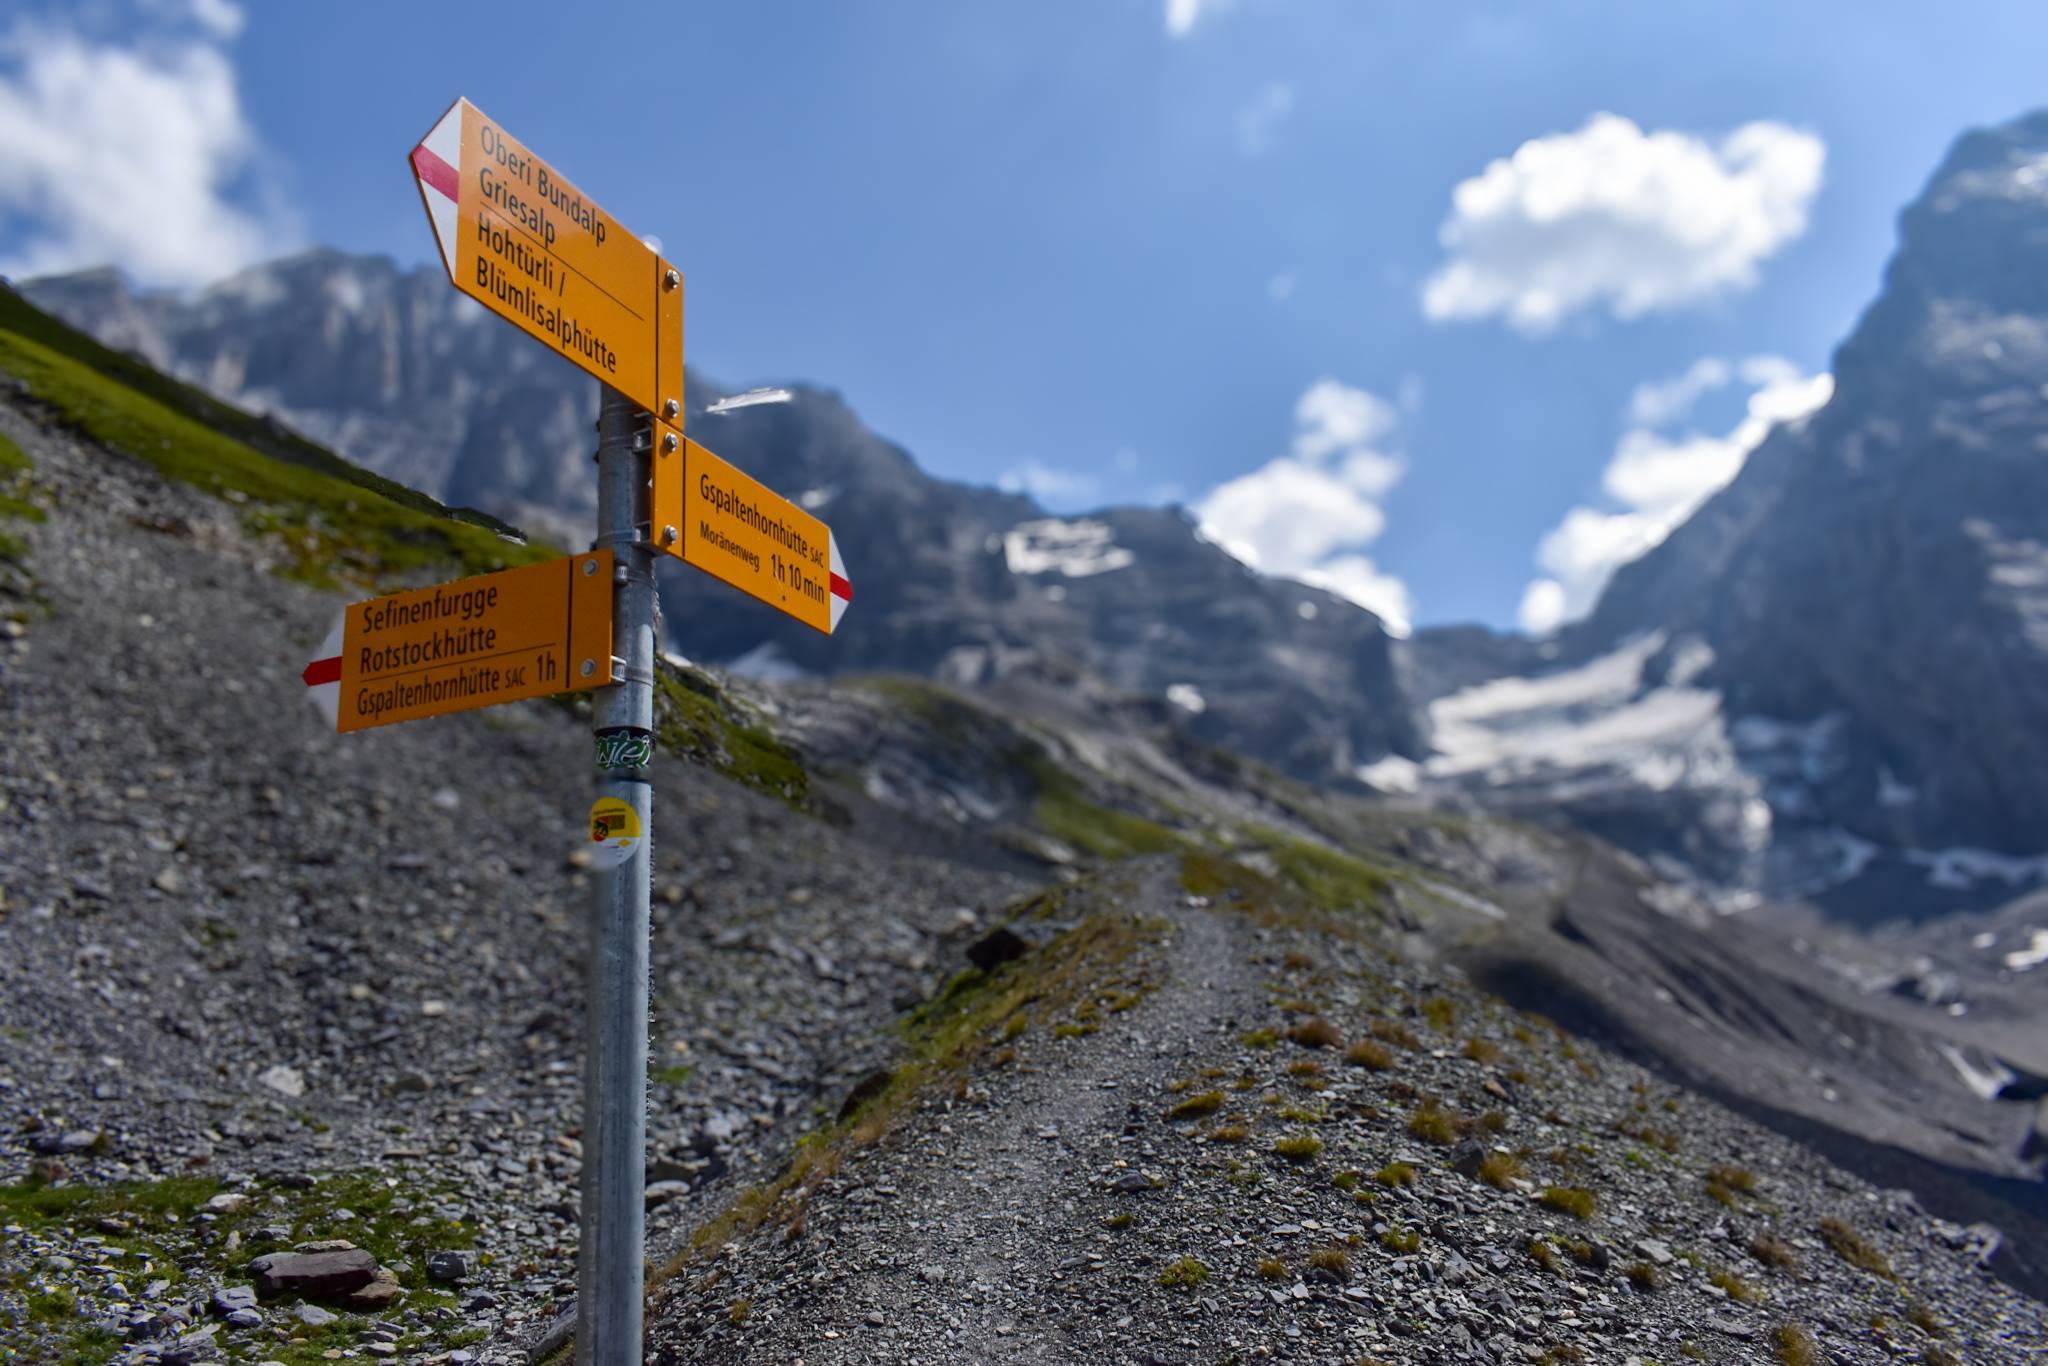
<point>734,527</point>
<point>522,241</point>
<point>527,632</point>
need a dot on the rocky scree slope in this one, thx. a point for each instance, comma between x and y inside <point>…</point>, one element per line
<point>400,373</point>
<point>1219,1125</point>
<point>379,998</point>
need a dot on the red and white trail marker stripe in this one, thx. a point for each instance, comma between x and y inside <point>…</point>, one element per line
<point>437,161</point>
<point>323,675</point>
<point>842,589</point>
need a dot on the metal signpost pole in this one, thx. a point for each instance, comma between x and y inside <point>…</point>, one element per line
<point>610,1261</point>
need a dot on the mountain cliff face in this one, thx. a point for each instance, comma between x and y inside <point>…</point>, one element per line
<point>402,374</point>
<point>1837,670</point>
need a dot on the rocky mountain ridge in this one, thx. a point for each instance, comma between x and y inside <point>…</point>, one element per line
<point>400,373</point>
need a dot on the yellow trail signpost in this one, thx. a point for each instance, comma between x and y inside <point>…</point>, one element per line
<point>519,238</point>
<point>733,527</point>
<point>522,241</point>
<point>528,632</point>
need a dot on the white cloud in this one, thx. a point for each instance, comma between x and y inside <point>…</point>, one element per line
<point>1182,15</point>
<point>1309,514</point>
<point>1661,481</point>
<point>129,156</point>
<point>1256,121</point>
<point>1060,490</point>
<point>1639,221</point>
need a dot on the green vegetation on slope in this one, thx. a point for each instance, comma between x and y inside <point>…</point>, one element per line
<point>25,320</point>
<point>330,528</point>
<point>697,720</point>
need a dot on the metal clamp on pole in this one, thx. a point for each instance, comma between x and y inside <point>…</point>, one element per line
<point>610,1258</point>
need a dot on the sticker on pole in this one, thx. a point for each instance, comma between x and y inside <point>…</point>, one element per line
<point>614,832</point>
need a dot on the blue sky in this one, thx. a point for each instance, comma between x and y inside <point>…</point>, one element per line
<point>1125,250</point>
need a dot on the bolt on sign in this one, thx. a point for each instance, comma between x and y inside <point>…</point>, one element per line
<point>733,527</point>
<point>522,241</point>
<point>530,632</point>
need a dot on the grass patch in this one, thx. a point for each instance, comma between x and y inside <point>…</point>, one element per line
<point>695,719</point>
<point>1441,1012</point>
<point>1500,1170</point>
<point>1431,1123</point>
<point>1795,1346</point>
<point>1185,1274</point>
<point>1545,1255</point>
<point>1774,1252</point>
<point>1331,1259</point>
<point>1733,1286</point>
<point>1404,1241</point>
<point>28,323</point>
<point>1643,1276</point>
<point>1397,1034</point>
<point>1262,1038</point>
<point>333,522</point>
<point>1298,1147</point>
<point>1065,813</point>
<point>1228,1133</point>
<point>1272,1269</point>
<point>1482,1051</point>
<point>1370,1054</point>
<point>1207,1103</point>
<point>1395,1174</point>
<point>1315,1033</point>
<point>1119,1221</point>
<point>1345,1181</point>
<point>1333,881</point>
<point>1849,1245</point>
<point>1572,1200</point>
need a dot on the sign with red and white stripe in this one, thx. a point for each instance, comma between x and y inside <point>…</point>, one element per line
<point>533,631</point>
<point>733,527</point>
<point>525,243</point>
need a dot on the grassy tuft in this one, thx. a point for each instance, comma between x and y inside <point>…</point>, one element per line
<point>1572,1200</point>
<point>1206,1103</point>
<point>1441,1012</point>
<point>1402,1241</point>
<point>1228,1133</point>
<point>1774,1252</point>
<point>1298,1147</point>
<point>1431,1123</point>
<point>1851,1248</point>
<point>1395,1174</point>
<point>1500,1170</point>
<point>1734,1178</point>
<point>1643,1276</point>
<point>1370,1054</point>
<point>1315,1033</point>
<point>1262,1038</point>
<point>1735,1287</point>
<point>1331,1259</point>
<point>1345,1181</point>
<point>1273,1270</point>
<point>1119,1220</point>
<point>1795,1346</point>
<point>1397,1034</point>
<point>1545,1255</point>
<point>1185,1274</point>
<point>1482,1051</point>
